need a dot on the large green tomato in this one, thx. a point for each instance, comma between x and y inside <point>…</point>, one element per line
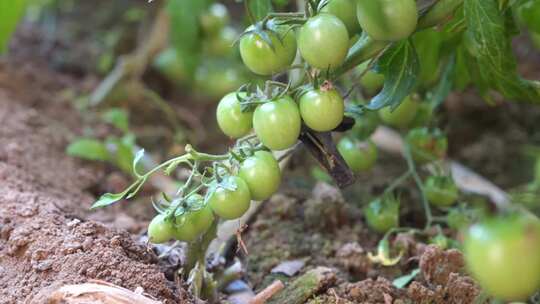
<point>345,10</point>
<point>265,59</point>
<point>503,254</point>
<point>359,155</point>
<point>160,230</point>
<point>185,230</point>
<point>227,203</point>
<point>262,174</point>
<point>401,116</point>
<point>441,191</point>
<point>170,65</point>
<point>322,110</point>
<point>214,19</point>
<point>231,120</point>
<point>382,214</point>
<point>323,41</point>
<point>387,20</point>
<point>365,125</point>
<point>201,215</point>
<point>277,123</point>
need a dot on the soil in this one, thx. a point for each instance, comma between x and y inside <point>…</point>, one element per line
<point>46,240</point>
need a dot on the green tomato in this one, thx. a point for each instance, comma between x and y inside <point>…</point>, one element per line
<point>365,125</point>
<point>345,10</point>
<point>201,215</point>
<point>382,214</point>
<point>160,230</point>
<point>170,65</point>
<point>230,204</point>
<point>214,19</point>
<point>401,116</point>
<point>277,123</point>
<point>185,230</point>
<point>265,59</point>
<point>222,43</point>
<point>441,191</point>
<point>387,20</point>
<point>503,254</point>
<point>262,174</point>
<point>423,116</point>
<point>214,79</point>
<point>457,218</point>
<point>440,240</point>
<point>322,110</point>
<point>372,82</point>
<point>231,120</point>
<point>323,41</point>
<point>359,155</point>
<point>427,145</point>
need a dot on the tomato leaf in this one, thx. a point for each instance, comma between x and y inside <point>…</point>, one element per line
<point>406,279</point>
<point>136,160</point>
<point>260,8</point>
<point>10,13</point>
<point>118,118</point>
<point>108,199</point>
<point>87,148</point>
<point>400,67</point>
<point>488,34</point>
<point>444,86</point>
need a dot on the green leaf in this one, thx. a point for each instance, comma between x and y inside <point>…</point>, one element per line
<point>489,42</point>
<point>406,279</point>
<point>87,148</point>
<point>10,13</point>
<point>118,118</point>
<point>108,199</point>
<point>400,67</point>
<point>443,88</point>
<point>136,160</point>
<point>260,8</point>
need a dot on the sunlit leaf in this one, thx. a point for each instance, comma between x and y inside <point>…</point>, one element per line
<point>87,148</point>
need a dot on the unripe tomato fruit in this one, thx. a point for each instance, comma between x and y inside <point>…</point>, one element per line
<point>201,216</point>
<point>382,214</point>
<point>321,109</point>
<point>359,155</point>
<point>277,123</point>
<point>401,116</point>
<point>230,204</point>
<point>441,191</point>
<point>457,219</point>
<point>426,145</point>
<point>365,125</point>
<point>503,254</point>
<point>265,59</point>
<point>345,10</point>
<point>160,230</point>
<point>387,20</point>
<point>172,66</point>
<point>231,120</point>
<point>214,19</point>
<point>323,41</point>
<point>185,231</point>
<point>262,175</point>
<point>371,81</point>
<point>222,43</point>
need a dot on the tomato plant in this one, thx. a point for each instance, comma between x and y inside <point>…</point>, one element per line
<point>323,41</point>
<point>232,121</point>
<point>160,230</point>
<point>502,254</point>
<point>277,123</point>
<point>360,156</point>
<point>401,116</point>
<point>388,20</point>
<point>200,214</point>
<point>322,109</point>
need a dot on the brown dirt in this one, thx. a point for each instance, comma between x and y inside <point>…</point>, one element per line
<point>45,239</point>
